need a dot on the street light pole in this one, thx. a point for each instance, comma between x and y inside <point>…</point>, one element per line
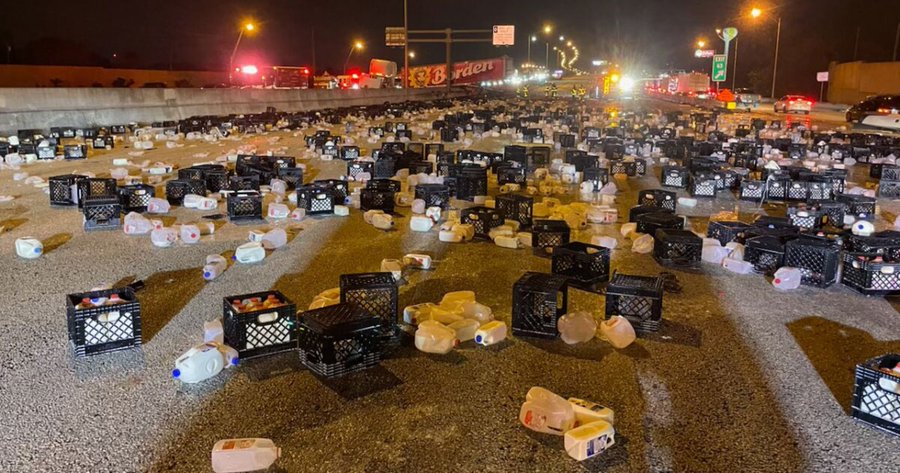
<point>348,58</point>
<point>896,41</point>
<point>547,59</point>
<point>233,53</point>
<point>405,51</point>
<point>734,72</point>
<point>529,50</point>
<point>775,65</point>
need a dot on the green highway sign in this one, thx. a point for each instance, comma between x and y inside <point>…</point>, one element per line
<point>718,71</point>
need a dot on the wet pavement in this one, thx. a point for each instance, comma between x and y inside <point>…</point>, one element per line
<point>739,377</point>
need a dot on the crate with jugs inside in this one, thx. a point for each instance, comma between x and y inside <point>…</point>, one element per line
<point>103,321</point>
<point>482,219</point>
<point>261,323</point>
<point>876,393</point>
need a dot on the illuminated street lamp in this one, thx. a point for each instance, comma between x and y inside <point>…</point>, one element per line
<point>533,40</point>
<point>756,13</point>
<point>412,54</point>
<point>249,27</point>
<point>547,30</point>
<point>357,45</point>
<point>701,43</point>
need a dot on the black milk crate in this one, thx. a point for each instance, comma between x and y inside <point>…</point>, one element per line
<point>136,197</point>
<point>808,218</point>
<point>658,198</point>
<point>338,339</point>
<point>384,185</point>
<point>102,212</point>
<point>417,167</point>
<point>819,190</point>
<point>417,150</point>
<point>191,173</point>
<point>702,187</point>
<point>640,166</point>
<point>176,189</point>
<point>753,190</point>
<point>539,300</point>
<point>727,231</point>
<point>44,152</point>
<point>649,223</point>
<point>566,140</point>
<point>597,176</point>
<point>356,168</point>
<point>798,190</point>
<point>765,252</point>
<point>316,199</point>
<point>834,212</point>
<point>637,298</point>
<point>885,243</point>
<point>104,328</point>
<point>483,219</point>
<point>64,189</point>
<point>349,153</point>
<point>243,183</point>
<point>875,398</point>
<point>635,212</point>
<point>677,247</point>
<point>859,206</point>
<point>548,234</point>
<point>449,135</point>
<point>216,177</point>
<point>293,177</point>
<point>538,156</point>
<point>471,181</point>
<point>433,148</point>
<point>585,266</point>
<point>581,160</point>
<point>434,195</point>
<point>374,199</point>
<point>75,151</point>
<point>889,189</point>
<point>731,179</point>
<point>244,205</point>
<point>384,168</point>
<point>377,295</point>
<point>95,186</point>
<point>340,188</point>
<point>618,166</point>
<point>393,147</point>
<point>871,274</point>
<point>516,207</point>
<point>890,173</point>
<point>818,260</point>
<point>510,174</point>
<point>264,331</point>
<point>777,188</point>
<point>674,176</point>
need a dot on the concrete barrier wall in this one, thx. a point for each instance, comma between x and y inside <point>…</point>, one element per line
<point>851,82</point>
<point>14,75</point>
<point>43,108</point>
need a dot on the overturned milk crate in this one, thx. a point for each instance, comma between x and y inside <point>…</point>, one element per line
<point>244,206</point>
<point>376,294</point>
<point>339,339</point>
<point>584,266</point>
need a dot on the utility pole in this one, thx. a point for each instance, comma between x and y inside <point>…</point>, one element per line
<point>734,73</point>
<point>312,35</point>
<point>856,45</point>
<point>405,50</point>
<point>775,64</point>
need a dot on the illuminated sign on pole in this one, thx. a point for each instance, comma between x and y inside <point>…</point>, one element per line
<point>704,53</point>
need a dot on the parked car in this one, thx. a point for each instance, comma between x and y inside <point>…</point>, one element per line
<point>794,103</point>
<point>746,98</point>
<point>876,105</point>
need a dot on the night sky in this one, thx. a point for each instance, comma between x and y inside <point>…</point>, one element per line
<point>652,34</point>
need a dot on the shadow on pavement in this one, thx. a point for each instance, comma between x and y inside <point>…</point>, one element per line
<point>164,295</point>
<point>834,351</point>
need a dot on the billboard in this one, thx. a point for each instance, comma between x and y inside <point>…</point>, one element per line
<point>468,72</point>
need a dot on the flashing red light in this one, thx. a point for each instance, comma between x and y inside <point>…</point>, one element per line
<point>354,76</point>
<point>249,69</point>
<point>305,70</point>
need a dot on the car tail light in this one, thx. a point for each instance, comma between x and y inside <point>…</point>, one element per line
<point>884,110</point>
